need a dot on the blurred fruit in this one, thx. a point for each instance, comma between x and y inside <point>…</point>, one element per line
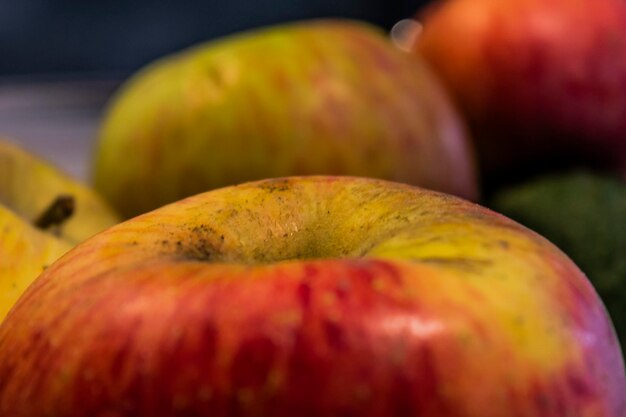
<point>585,215</point>
<point>315,297</point>
<point>25,252</point>
<point>542,83</point>
<point>43,212</point>
<point>320,97</point>
<point>28,186</point>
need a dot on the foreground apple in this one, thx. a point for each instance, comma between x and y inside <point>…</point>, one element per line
<point>541,82</point>
<point>573,209</point>
<point>322,97</point>
<point>319,296</point>
<point>43,213</point>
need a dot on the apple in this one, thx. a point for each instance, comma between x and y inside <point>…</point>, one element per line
<point>29,185</point>
<point>572,209</point>
<point>541,83</point>
<point>313,97</point>
<point>312,296</point>
<point>24,253</point>
<point>43,213</point>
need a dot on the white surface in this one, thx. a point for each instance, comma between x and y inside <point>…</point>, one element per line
<point>56,119</point>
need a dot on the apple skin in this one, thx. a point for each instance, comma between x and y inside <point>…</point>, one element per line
<point>25,252</point>
<point>541,83</point>
<point>312,296</point>
<point>313,97</point>
<point>28,185</point>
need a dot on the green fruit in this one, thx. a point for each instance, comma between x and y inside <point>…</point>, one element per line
<point>585,215</point>
<point>323,97</point>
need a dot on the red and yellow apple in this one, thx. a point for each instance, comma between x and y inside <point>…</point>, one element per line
<point>32,237</point>
<point>542,83</point>
<point>313,97</point>
<point>314,297</point>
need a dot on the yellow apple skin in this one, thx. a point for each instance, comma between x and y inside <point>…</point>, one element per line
<point>320,97</point>
<point>316,297</point>
<point>28,185</point>
<point>24,253</point>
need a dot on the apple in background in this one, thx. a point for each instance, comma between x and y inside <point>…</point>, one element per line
<point>313,97</point>
<point>315,297</point>
<point>24,253</point>
<point>29,185</point>
<point>542,83</point>
<point>43,213</point>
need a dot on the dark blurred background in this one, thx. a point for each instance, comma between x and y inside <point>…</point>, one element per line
<point>118,36</point>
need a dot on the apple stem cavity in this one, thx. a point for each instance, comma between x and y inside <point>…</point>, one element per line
<point>57,213</point>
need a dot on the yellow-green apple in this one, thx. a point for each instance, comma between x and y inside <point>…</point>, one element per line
<point>314,97</point>
<point>315,297</point>
<point>43,213</point>
<point>541,82</point>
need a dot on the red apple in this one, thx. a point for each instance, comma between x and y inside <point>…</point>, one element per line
<point>312,297</point>
<point>542,83</point>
